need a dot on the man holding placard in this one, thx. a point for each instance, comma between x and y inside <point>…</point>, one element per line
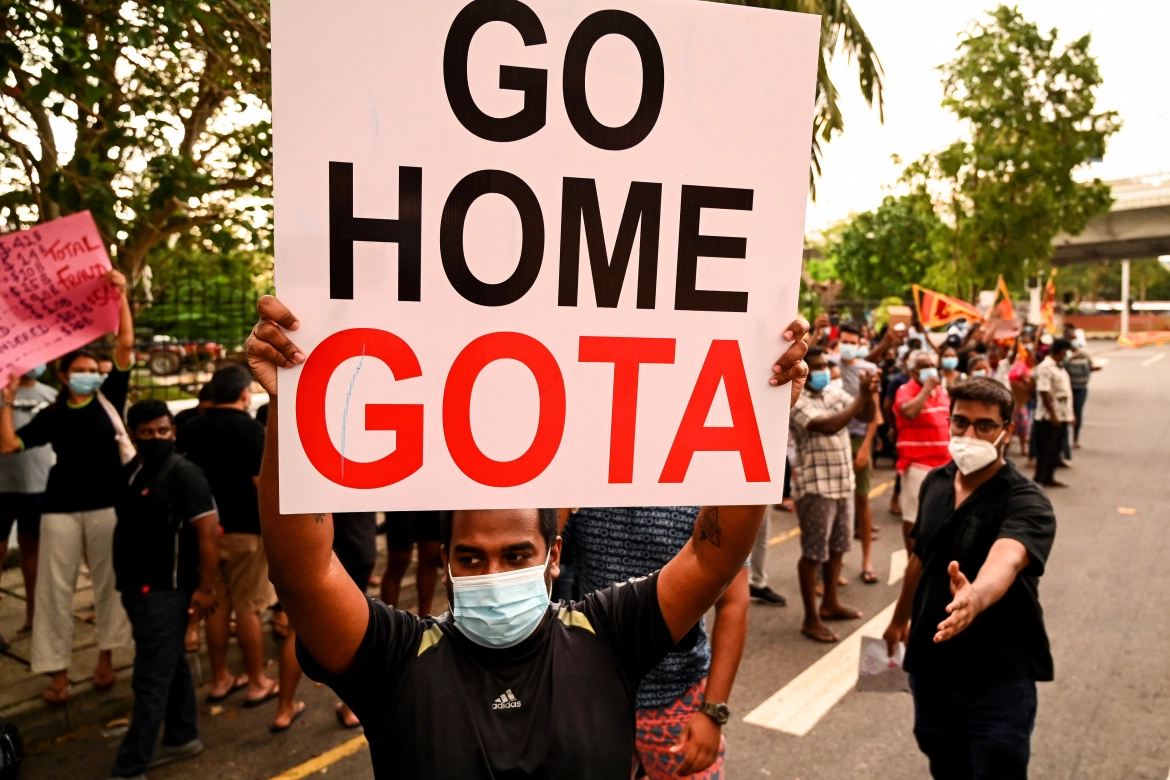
<point>506,682</point>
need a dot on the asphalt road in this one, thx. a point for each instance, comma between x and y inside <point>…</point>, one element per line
<point>1104,594</point>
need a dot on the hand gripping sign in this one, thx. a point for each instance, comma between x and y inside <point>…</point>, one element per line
<point>543,252</point>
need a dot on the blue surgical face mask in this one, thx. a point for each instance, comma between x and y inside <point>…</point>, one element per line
<point>979,372</point>
<point>85,383</point>
<point>850,352</point>
<point>36,373</point>
<point>926,373</point>
<point>950,363</point>
<point>819,380</point>
<point>500,610</point>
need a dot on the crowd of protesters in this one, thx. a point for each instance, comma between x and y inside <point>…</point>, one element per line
<point>167,511</point>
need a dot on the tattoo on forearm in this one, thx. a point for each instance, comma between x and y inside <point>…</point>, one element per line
<point>319,517</point>
<point>709,528</point>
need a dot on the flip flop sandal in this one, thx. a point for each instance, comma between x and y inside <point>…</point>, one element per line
<point>273,692</point>
<point>274,729</point>
<point>869,577</point>
<point>58,696</point>
<point>237,685</point>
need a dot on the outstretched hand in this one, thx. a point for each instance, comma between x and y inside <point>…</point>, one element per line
<point>963,609</point>
<point>791,366</point>
<point>269,347</point>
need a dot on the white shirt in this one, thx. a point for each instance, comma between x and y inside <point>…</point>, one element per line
<point>1053,379</point>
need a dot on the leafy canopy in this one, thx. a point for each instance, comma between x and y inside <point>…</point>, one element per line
<point>165,107</point>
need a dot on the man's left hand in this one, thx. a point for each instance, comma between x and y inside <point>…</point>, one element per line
<point>964,608</point>
<point>202,603</point>
<point>862,459</point>
<point>698,743</point>
<point>791,366</point>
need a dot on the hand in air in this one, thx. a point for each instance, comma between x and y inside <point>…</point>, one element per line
<point>269,346</point>
<point>791,366</point>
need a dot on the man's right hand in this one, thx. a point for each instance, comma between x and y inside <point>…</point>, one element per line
<point>269,347</point>
<point>931,383</point>
<point>896,632</point>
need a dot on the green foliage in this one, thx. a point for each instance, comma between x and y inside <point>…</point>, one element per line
<point>1149,280</point>
<point>880,253</point>
<point>1029,106</point>
<point>842,32</point>
<point>168,103</point>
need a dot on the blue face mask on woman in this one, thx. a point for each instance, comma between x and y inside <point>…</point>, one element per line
<point>36,373</point>
<point>85,383</point>
<point>819,380</point>
<point>500,610</point>
<point>950,363</point>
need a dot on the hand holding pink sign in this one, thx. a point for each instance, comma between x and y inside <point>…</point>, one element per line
<point>57,292</point>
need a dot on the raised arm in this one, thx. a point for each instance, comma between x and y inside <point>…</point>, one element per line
<point>912,408</point>
<point>124,346</point>
<point>695,578</point>
<point>327,608</point>
<point>863,408</point>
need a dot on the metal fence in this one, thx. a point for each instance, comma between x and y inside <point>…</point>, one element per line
<point>185,330</point>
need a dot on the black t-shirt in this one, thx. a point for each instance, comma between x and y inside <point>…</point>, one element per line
<point>88,468</point>
<point>558,705</point>
<point>228,445</point>
<point>1008,641</point>
<point>156,547</point>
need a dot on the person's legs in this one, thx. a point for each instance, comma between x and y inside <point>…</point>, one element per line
<point>813,514</point>
<point>182,720</point>
<point>658,730</point>
<point>430,562</point>
<point>397,562</point>
<point>913,479</point>
<point>28,535</point>
<point>1046,435</point>
<point>250,593</point>
<point>218,637</point>
<point>158,622</point>
<point>757,577</point>
<point>288,708</point>
<point>939,731</point>
<point>63,537</point>
<point>999,726</point>
<point>840,540</point>
<point>112,624</point>
<point>1080,395</point>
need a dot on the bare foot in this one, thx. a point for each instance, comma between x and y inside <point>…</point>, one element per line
<point>264,689</point>
<point>226,686</point>
<point>839,612</point>
<point>58,690</point>
<point>820,633</point>
<point>346,717</point>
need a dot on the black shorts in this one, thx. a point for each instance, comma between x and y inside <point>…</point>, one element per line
<point>403,529</point>
<point>24,509</point>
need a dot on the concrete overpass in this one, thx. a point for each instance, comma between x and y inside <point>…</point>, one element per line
<point>1136,228</point>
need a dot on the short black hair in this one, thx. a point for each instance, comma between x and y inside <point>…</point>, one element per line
<point>814,352</point>
<point>850,327</point>
<point>914,343</point>
<point>985,391</point>
<point>147,410</point>
<point>228,383</point>
<point>549,527</point>
<point>1060,345</point>
<point>205,393</point>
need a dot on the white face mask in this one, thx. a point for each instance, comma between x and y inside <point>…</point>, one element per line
<point>972,454</point>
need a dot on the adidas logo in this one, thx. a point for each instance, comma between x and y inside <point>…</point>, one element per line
<point>506,701</point>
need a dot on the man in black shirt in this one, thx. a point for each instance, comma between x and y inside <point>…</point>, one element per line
<point>165,560</point>
<point>969,611</point>
<point>228,445</point>
<point>507,685</point>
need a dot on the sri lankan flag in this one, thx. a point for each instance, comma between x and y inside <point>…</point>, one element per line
<point>1004,309</point>
<point>935,309</point>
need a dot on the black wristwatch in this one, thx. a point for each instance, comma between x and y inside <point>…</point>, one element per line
<point>716,711</point>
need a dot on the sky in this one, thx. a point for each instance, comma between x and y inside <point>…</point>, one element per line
<point>913,38</point>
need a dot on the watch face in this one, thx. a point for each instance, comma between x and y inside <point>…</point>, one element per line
<point>720,713</point>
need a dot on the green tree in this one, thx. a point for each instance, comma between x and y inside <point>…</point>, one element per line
<point>841,32</point>
<point>1029,107</point>
<point>152,115</point>
<point>880,253</point>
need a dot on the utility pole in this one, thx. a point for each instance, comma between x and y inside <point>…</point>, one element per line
<point>1124,297</point>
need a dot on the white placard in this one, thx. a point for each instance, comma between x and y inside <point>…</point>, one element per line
<point>487,211</point>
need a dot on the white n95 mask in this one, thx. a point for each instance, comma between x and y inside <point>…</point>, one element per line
<point>500,610</point>
<point>971,454</point>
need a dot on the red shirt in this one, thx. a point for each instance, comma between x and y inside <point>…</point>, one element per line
<point>923,441</point>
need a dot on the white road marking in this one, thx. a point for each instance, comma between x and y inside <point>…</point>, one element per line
<point>800,704</point>
<point>1154,359</point>
<point>898,561</point>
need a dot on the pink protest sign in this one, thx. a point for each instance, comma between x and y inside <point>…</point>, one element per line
<point>53,297</point>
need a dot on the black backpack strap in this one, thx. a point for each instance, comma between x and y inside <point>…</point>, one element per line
<point>161,480</point>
